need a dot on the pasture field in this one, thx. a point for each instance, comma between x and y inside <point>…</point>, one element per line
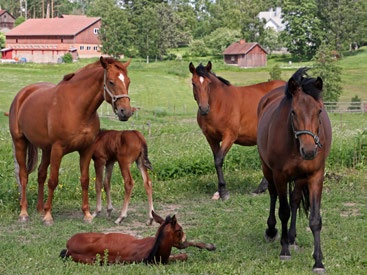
<point>183,182</point>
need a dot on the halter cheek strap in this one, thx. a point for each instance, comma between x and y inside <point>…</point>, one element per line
<point>114,98</point>
<point>305,132</point>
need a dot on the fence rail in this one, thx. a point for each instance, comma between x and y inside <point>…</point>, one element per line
<point>346,107</point>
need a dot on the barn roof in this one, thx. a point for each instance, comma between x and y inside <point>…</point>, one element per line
<point>241,47</point>
<point>66,25</point>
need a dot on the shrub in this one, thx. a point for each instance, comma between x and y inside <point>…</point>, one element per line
<point>67,58</point>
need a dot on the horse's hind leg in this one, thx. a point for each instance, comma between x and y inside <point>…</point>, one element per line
<point>128,184</point>
<point>271,232</point>
<point>295,200</point>
<point>107,186</point>
<point>42,175</point>
<point>284,214</point>
<point>148,190</point>
<point>20,149</point>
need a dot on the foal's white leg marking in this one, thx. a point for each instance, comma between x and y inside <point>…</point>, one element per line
<point>122,78</point>
<point>201,79</point>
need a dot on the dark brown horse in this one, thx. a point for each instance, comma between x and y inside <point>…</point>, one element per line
<point>123,248</point>
<point>227,114</point>
<point>125,147</point>
<point>294,139</point>
<point>60,119</point>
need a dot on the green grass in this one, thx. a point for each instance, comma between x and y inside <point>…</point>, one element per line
<point>183,182</point>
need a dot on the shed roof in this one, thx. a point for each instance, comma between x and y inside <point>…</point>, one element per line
<point>5,11</point>
<point>241,47</point>
<point>66,25</point>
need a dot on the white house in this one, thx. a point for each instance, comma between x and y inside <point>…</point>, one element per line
<point>273,19</point>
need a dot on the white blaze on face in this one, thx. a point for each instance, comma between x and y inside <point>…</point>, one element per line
<point>201,79</point>
<point>122,78</point>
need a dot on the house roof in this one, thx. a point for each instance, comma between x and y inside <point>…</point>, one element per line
<point>241,47</point>
<point>273,15</point>
<point>67,25</point>
<point>5,11</point>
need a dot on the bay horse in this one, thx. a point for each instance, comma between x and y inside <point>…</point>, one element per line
<point>227,114</point>
<point>294,139</point>
<point>63,118</point>
<point>122,248</point>
<point>125,147</point>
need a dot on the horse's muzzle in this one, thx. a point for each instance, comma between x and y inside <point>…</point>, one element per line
<point>308,154</point>
<point>123,114</point>
<point>204,110</point>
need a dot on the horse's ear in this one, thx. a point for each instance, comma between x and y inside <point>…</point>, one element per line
<point>292,86</point>
<point>103,63</point>
<point>173,220</point>
<point>127,63</point>
<point>318,83</point>
<point>157,218</point>
<point>209,66</point>
<point>192,68</point>
<point>68,76</point>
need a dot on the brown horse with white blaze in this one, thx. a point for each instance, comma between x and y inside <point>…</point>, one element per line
<point>294,140</point>
<point>125,147</point>
<point>227,114</point>
<point>123,248</point>
<point>60,119</point>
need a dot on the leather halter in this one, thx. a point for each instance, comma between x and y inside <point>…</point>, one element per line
<point>114,98</point>
<point>305,132</point>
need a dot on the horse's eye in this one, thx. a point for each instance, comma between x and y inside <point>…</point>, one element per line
<point>111,83</point>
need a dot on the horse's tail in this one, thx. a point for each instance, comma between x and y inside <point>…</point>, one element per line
<point>305,197</point>
<point>32,157</point>
<point>143,158</point>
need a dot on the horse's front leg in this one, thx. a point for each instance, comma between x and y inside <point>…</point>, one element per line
<point>55,161</point>
<point>315,222</point>
<point>271,232</point>
<point>284,214</point>
<point>42,175</point>
<point>219,153</point>
<point>98,168</point>
<point>85,158</point>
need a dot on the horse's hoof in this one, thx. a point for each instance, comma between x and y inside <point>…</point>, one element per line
<point>319,270</point>
<point>109,211</point>
<point>216,196</point>
<point>285,257</point>
<point>271,239</point>
<point>23,219</point>
<point>48,222</point>
<point>224,195</point>
<point>210,247</point>
<point>119,220</point>
<point>149,222</point>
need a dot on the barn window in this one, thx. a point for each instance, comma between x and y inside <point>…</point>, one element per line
<point>81,48</point>
<point>88,48</point>
<point>96,30</point>
<point>95,48</point>
<point>232,58</point>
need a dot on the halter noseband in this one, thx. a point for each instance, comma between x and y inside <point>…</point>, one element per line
<point>305,132</point>
<point>114,98</point>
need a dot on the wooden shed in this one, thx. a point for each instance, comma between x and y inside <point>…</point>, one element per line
<point>245,54</point>
<point>6,21</point>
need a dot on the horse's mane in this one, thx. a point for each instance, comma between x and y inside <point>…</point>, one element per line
<point>96,64</point>
<point>158,241</point>
<point>306,83</point>
<point>201,71</point>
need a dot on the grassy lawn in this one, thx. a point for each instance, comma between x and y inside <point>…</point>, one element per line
<point>184,180</point>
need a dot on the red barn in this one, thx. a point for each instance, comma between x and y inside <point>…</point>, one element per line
<point>47,40</point>
<point>245,54</point>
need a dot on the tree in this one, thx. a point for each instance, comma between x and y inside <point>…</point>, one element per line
<point>2,40</point>
<point>343,21</point>
<point>302,34</point>
<point>327,68</point>
<point>116,32</point>
<point>220,39</point>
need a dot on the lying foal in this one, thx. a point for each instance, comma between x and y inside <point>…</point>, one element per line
<point>123,248</point>
<point>125,147</point>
